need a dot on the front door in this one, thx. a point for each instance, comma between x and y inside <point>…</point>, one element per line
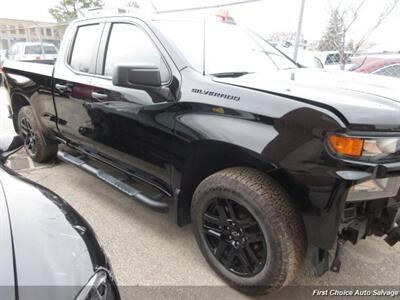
<point>130,128</point>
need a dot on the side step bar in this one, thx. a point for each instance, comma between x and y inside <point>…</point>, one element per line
<point>118,184</point>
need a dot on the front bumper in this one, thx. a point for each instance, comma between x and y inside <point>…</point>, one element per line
<point>376,182</point>
<point>365,201</point>
<point>372,203</point>
<point>333,207</point>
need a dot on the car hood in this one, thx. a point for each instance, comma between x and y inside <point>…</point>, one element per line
<point>359,98</point>
<point>55,250</point>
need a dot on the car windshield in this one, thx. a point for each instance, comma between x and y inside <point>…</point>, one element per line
<point>230,51</point>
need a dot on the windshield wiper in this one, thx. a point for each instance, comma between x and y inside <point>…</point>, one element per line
<point>231,74</point>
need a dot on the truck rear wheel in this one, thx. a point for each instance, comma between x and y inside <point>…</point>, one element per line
<point>34,142</point>
<point>248,230</point>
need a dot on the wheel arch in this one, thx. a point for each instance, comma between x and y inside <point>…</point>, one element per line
<point>17,102</point>
<point>209,157</point>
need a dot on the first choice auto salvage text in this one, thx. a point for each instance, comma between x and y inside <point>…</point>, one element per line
<point>356,292</point>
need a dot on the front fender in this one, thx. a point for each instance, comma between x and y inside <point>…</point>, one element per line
<point>290,147</point>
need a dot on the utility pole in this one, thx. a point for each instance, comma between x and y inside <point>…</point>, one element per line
<point>298,33</point>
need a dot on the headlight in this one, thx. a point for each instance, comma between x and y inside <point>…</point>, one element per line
<point>99,287</point>
<point>365,148</point>
<point>374,189</point>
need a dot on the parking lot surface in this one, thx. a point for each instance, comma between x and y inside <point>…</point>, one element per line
<point>149,250</point>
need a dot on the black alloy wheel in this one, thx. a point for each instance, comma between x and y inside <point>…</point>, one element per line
<point>248,229</point>
<point>29,136</point>
<point>37,148</point>
<point>234,237</point>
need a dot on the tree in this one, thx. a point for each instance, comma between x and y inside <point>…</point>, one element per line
<point>342,20</point>
<point>332,39</point>
<point>133,3</point>
<point>285,38</point>
<point>67,10</point>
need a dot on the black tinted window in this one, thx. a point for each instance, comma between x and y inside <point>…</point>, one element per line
<point>392,71</point>
<point>85,47</point>
<point>128,44</point>
<point>332,59</point>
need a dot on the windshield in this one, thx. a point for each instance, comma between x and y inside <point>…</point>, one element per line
<point>229,49</point>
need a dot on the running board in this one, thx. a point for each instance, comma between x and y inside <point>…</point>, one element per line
<point>118,184</point>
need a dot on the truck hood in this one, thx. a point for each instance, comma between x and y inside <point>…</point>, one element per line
<point>359,98</point>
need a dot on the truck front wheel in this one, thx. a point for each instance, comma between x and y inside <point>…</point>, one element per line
<point>248,230</point>
<point>34,142</point>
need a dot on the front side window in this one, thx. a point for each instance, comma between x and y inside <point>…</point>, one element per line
<point>85,47</point>
<point>128,44</point>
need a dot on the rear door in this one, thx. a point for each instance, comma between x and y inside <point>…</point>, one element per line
<point>130,128</point>
<point>72,80</point>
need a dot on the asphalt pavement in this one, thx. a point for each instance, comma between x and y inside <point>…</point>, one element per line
<point>153,258</point>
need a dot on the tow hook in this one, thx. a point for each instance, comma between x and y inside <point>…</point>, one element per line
<point>337,262</point>
<point>393,236</point>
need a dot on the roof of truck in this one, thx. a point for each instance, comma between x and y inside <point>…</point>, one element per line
<point>153,16</point>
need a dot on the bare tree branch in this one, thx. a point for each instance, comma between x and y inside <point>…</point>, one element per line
<point>342,21</point>
<point>67,10</point>
<point>355,15</point>
<point>383,16</point>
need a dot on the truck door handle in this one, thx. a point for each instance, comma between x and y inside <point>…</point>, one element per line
<point>63,88</point>
<point>99,96</point>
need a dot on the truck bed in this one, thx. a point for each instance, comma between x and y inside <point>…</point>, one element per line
<point>36,67</point>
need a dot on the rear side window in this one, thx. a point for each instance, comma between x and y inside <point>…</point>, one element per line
<point>392,71</point>
<point>128,44</point>
<point>50,50</point>
<point>332,59</point>
<point>85,47</point>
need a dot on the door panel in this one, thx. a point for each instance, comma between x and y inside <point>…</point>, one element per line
<point>122,126</point>
<point>131,128</point>
<point>72,83</point>
<point>132,131</point>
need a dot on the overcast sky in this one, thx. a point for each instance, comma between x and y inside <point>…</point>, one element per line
<point>264,17</point>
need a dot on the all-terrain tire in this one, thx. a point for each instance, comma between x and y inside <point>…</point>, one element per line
<point>280,222</point>
<point>34,142</point>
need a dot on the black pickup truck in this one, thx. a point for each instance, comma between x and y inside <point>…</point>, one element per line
<point>264,158</point>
